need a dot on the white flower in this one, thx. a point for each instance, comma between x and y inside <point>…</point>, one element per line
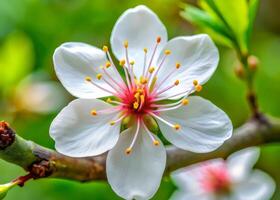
<point>155,70</point>
<point>218,179</point>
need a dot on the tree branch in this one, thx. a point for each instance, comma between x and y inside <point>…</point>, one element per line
<point>42,162</point>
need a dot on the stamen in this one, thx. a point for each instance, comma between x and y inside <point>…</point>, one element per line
<point>155,142</point>
<point>143,80</point>
<point>185,102</point>
<point>168,87</point>
<point>185,93</point>
<point>99,76</point>
<point>122,62</point>
<point>105,48</point>
<point>93,112</point>
<point>125,44</point>
<point>178,65</point>
<point>177,127</point>
<point>195,82</point>
<point>151,69</point>
<point>198,88</point>
<point>112,123</point>
<point>89,80</point>
<point>111,78</point>
<point>129,149</point>
<point>108,64</point>
<point>130,71</point>
<point>164,121</point>
<point>158,39</point>
<point>154,52</point>
<point>145,59</point>
<point>167,52</point>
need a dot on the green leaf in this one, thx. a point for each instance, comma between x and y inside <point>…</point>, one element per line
<point>234,15</point>
<point>253,7</point>
<point>16,59</point>
<point>204,20</point>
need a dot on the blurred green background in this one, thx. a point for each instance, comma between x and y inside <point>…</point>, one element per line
<point>30,95</point>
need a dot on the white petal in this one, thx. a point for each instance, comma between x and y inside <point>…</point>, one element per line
<point>204,127</point>
<point>77,133</point>
<point>183,195</point>
<point>138,175</point>
<point>190,178</point>
<point>140,27</point>
<point>73,62</point>
<point>241,163</point>
<point>190,181</point>
<point>198,57</point>
<point>259,186</point>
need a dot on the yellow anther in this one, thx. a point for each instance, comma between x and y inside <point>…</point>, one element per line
<point>176,82</point>
<point>143,80</point>
<point>195,82</point>
<point>108,64</point>
<point>142,98</point>
<point>156,142</point>
<point>178,65</point>
<point>167,52</point>
<point>112,123</point>
<point>132,62</point>
<point>99,76</point>
<point>125,44</point>
<point>93,112</point>
<point>128,151</point>
<point>151,69</point>
<point>87,78</point>
<point>145,50</point>
<point>158,39</point>
<point>198,88</point>
<point>109,100</point>
<point>185,102</point>
<point>177,127</point>
<point>105,48</point>
<point>122,62</point>
<point>135,105</point>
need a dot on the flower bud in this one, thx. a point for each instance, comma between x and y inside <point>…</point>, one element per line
<point>253,62</point>
<point>239,71</point>
<point>7,135</point>
<point>5,188</point>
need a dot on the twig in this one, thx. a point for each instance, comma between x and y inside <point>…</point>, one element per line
<point>42,162</point>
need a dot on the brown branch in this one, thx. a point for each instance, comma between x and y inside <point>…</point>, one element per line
<point>42,162</point>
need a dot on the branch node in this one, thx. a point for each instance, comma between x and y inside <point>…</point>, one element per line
<point>41,169</point>
<point>7,135</point>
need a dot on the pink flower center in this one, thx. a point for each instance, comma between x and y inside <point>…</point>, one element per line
<point>216,179</point>
<point>139,97</point>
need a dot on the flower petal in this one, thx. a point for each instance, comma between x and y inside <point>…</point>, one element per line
<point>140,27</point>
<point>259,186</point>
<point>241,163</point>
<point>190,180</point>
<point>182,195</point>
<point>77,133</point>
<point>73,62</point>
<point>204,127</point>
<point>198,57</point>
<point>138,175</point>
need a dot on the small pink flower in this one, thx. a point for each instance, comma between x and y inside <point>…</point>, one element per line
<point>218,179</point>
<point>155,70</point>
